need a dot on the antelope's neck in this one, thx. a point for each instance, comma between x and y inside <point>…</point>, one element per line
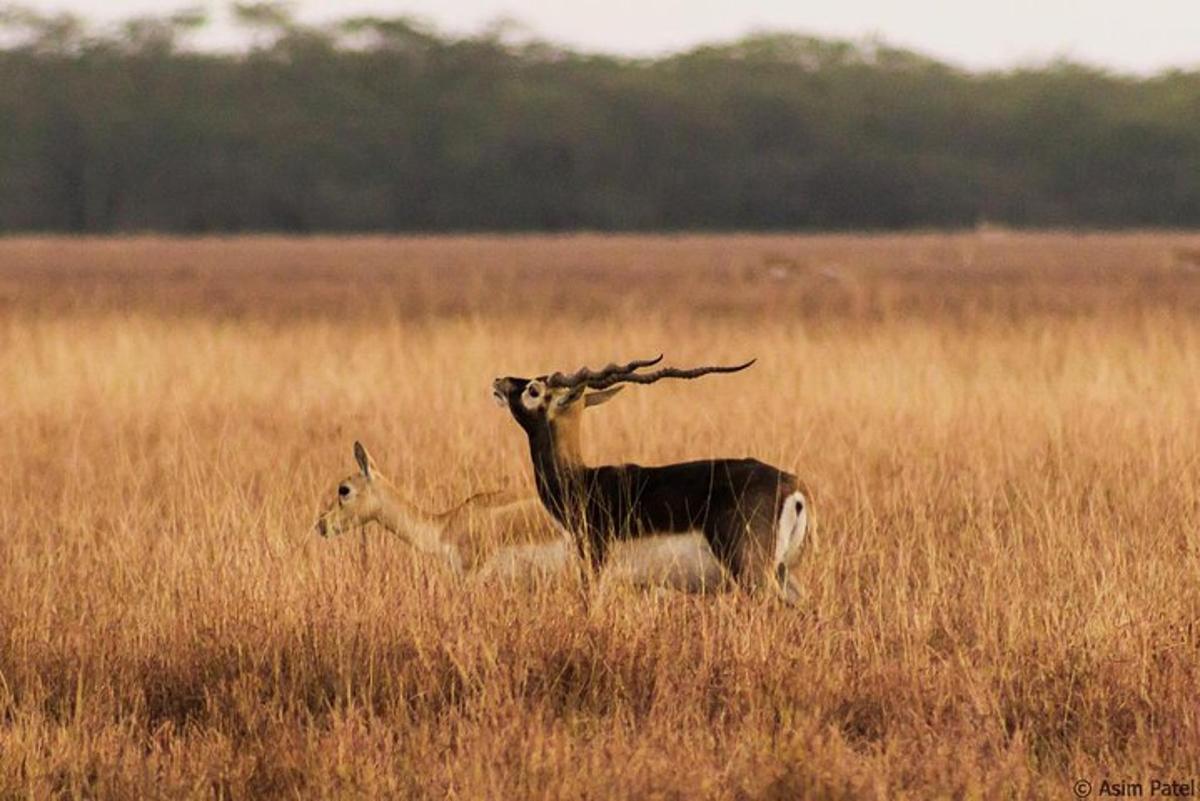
<point>565,441</point>
<point>558,466</point>
<point>418,528</point>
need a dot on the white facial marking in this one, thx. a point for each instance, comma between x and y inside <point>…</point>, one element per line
<point>499,399</point>
<point>534,395</point>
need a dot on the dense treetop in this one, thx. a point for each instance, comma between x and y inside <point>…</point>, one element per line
<point>384,124</point>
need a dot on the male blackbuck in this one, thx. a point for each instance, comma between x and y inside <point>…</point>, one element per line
<point>754,516</point>
<point>505,536</point>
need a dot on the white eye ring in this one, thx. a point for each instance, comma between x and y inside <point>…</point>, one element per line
<point>531,398</point>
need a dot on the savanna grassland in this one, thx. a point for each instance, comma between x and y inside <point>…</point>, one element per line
<point>1001,433</point>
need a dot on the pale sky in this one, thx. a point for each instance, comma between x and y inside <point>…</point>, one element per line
<point>1141,37</point>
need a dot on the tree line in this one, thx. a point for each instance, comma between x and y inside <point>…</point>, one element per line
<point>383,124</point>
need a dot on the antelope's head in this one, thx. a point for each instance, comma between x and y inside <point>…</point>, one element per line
<point>356,500</point>
<point>548,401</point>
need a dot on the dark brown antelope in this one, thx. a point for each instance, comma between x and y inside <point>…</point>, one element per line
<point>754,516</point>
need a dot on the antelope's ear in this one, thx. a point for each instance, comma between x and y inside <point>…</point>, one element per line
<point>569,397</point>
<point>365,463</point>
<point>603,396</point>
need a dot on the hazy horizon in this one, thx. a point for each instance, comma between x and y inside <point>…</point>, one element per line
<point>1141,38</point>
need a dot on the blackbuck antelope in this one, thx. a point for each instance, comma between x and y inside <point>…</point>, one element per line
<point>754,516</point>
<point>504,536</point>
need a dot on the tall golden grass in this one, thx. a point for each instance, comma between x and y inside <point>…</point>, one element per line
<point>1003,596</point>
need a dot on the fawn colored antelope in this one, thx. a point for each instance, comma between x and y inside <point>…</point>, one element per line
<point>505,536</point>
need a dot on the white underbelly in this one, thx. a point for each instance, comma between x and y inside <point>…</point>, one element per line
<point>676,561</point>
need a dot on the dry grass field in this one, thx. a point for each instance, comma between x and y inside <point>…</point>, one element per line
<point>1001,431</point>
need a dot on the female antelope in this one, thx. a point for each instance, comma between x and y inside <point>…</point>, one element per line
<point>505,536</point>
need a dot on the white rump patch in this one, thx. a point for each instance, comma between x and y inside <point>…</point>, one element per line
<point>793,525</point>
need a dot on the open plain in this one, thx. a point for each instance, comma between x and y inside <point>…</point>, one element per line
<point>1001,598</point>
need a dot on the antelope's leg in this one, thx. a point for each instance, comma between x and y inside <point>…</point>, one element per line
<point>745,542</point>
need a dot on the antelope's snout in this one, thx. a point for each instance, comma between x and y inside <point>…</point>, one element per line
<point>334,522</point>
<point>502,390</point>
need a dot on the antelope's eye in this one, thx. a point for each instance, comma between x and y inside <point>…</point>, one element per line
<point>343,490</point>
<point>533,391</point>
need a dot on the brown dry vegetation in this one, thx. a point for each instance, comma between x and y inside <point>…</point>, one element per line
<point>1001,431</point>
